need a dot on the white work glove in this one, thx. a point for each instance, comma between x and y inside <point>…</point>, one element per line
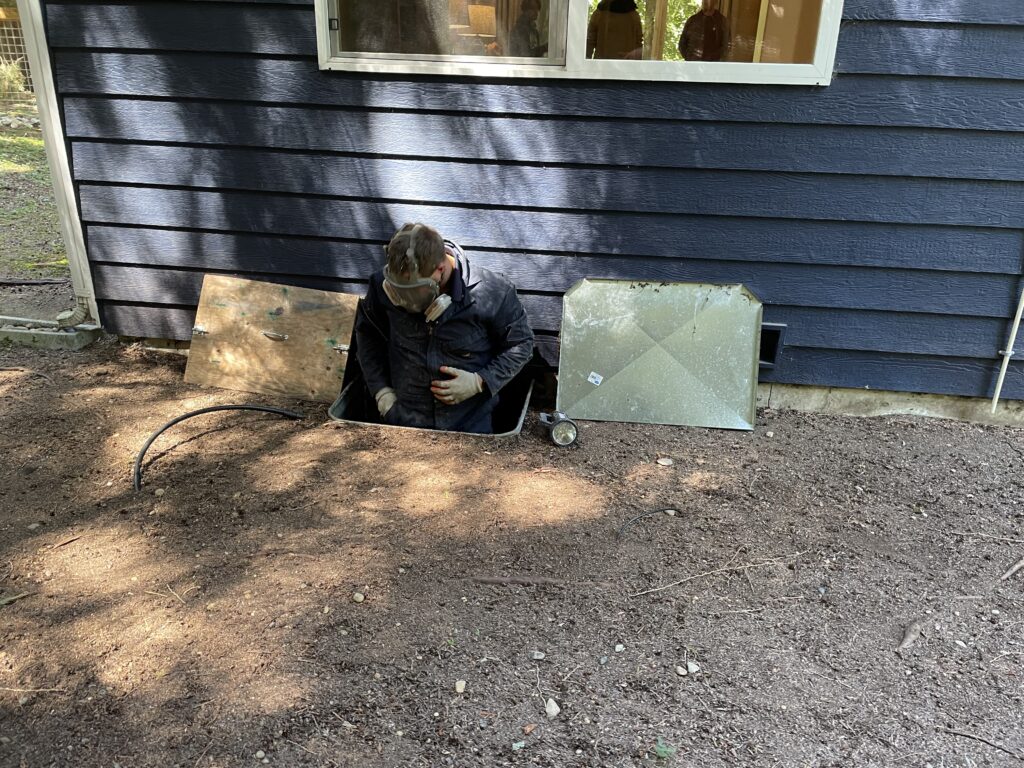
<point>462,386</point>
<point>386,400</point>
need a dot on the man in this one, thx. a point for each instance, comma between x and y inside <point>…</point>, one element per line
<point>705,35</point>
<point>436,340</point>
<point>615,31</point>
<point>524,40</point>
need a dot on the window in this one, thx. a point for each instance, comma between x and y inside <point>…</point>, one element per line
<point>740,41</point>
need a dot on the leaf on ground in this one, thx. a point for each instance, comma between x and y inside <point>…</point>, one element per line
<point>911,634</point>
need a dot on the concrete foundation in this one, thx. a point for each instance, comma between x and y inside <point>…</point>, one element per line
<point>863,402</point>
<point>44,334</point>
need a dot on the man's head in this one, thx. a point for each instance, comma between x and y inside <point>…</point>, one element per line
<point>415,251</point>
<point>710,6</point>
<point>418,270</point>
<point>530,9</point>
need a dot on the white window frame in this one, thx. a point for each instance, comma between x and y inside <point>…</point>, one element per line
<point>578,67</point>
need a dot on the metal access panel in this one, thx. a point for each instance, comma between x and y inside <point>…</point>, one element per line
<point>273,339</point>
<point>660,353</point>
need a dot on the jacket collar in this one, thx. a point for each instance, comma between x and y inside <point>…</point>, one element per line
<point>462,279</point>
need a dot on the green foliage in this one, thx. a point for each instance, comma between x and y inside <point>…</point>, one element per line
<point>12,78</point>
<point>24,154</point>
<point>678,12</point>
<point>663,751</point>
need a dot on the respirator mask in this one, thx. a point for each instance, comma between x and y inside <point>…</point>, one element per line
<point>422,294</point>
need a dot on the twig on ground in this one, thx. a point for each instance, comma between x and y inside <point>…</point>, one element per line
<point>67,541</point>
<point>1013,569</point>
<point>1013,448</point>
<point>746,610</point>
<point>33,690</point>
<point>203,754</point>
<point>987,536</point>
<point>14,598</point>
<point>628,523</point>
<point>983,740</point>
<point>833,680</point>
<point>711,573</point>
<point>530,581</point>
<point>29,371</point>
<point>176,595</point>
<point>753,482</point>
<point>994,659</point>
<point>540,691</point>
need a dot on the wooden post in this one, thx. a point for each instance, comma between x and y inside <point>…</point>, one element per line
<point>658,34</point>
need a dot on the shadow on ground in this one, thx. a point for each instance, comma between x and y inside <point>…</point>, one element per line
<point>210,620</point>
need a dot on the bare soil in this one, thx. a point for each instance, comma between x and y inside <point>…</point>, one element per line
<point>209,620</point>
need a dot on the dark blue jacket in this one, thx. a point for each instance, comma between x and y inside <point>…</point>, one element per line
<point>485,330</point>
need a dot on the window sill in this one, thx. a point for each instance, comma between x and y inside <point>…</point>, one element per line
<point>643,71</point>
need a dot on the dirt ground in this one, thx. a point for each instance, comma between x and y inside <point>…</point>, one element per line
<point>209,620</point>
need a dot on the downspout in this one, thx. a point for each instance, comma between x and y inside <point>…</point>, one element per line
<point>1008,352</point>
<point>38,52</point>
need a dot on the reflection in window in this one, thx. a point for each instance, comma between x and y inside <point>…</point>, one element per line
<point>489,28</point>
<point>764,31</point>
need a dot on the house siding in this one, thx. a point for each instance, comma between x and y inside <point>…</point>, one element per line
<point>880,218</point>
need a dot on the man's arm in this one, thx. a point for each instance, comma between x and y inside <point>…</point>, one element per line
<point>372,332</point>
<point>684,38</point>
<point>512,336</point>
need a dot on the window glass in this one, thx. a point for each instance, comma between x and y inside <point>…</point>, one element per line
<point>762,31</point>
<point>519,29</point>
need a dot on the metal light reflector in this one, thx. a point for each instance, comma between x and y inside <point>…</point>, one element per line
<point>660,353</point>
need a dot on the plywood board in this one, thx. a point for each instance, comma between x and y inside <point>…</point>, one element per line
<point>272,339</point>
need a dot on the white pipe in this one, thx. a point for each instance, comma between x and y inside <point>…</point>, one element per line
<point>56,153</point>
<point>1008,352</point>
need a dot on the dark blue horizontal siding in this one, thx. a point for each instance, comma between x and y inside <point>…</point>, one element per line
<point>940,50</point>
<point>849,100</point>
<point>720,239</point>
<point>879,218</point>
<point>668,144</point>
<point>909,373</point>
<point>739,193</point>
<point>176,26</point>
<point>943,11</point>
<point>607,233</point>
<point>773,283</point>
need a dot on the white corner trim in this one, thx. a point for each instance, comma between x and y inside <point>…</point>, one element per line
<point>577,67</point>
<point>31,15</point>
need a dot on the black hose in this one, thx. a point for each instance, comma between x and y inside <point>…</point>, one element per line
<point>137,474</point>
